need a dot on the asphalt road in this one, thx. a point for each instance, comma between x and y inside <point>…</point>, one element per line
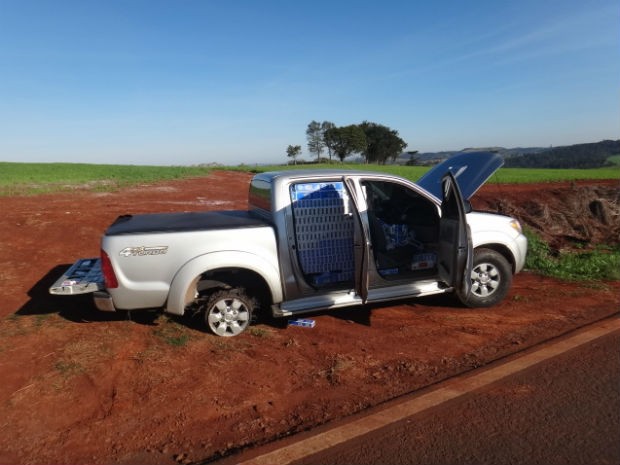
<point>562,410</point>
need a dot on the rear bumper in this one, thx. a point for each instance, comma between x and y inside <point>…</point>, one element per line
<point>103,301</point>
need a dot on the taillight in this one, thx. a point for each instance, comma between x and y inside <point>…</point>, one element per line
<point>109,278</point>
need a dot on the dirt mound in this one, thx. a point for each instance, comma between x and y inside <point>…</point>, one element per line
<point>566,215</point>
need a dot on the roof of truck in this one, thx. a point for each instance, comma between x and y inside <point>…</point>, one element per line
<point>324,172</point>
<point>471,169</point>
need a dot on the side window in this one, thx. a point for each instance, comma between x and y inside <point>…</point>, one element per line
<point>404,229</point>
<point>323,232</point>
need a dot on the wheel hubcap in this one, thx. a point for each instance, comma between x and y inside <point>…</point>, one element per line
<point>485,279</point>
<point>228,317</point>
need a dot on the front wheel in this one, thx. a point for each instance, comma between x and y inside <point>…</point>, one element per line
<point>491,278</point>
<point>229,312</point>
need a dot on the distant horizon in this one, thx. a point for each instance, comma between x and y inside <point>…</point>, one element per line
<point>284,160</point>
<point>158,82</point>
<point>520,146</point>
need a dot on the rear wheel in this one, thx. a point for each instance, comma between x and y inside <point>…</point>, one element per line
<point>229,312</point>
<point>491,278</point>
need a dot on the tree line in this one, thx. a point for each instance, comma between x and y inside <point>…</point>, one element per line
<point>580,156</point>
<point>375,142</point>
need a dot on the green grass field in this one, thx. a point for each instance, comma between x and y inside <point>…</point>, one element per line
<point>503,175</point>
<point>33,178</point>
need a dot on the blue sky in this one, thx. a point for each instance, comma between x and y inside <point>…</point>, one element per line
<point>187,82</point>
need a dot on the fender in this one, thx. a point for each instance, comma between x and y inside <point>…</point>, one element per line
<point>490,238</point>
<point>181,292</point>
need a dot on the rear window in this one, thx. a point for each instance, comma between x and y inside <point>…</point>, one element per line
<point>260,195</point>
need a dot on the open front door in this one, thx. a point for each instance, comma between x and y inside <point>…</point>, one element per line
<point>361,245</point>
<point>455,247</point>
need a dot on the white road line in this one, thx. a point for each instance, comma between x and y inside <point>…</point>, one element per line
<point>446,391</point>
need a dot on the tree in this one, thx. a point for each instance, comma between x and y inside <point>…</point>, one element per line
<point>314,134</point>
<point>413,160</point>
<point>292,151</point>
<point>346,140</point>
<point>325,126</point>
<point>383,143</point>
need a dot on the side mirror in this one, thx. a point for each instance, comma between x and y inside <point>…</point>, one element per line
<point>468,207</point>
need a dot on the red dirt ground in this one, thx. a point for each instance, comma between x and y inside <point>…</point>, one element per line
<point>81,386</point>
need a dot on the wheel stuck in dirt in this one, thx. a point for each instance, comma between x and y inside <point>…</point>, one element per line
<point>228,312</point>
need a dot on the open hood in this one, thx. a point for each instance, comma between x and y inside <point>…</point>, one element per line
<point>471,170</point>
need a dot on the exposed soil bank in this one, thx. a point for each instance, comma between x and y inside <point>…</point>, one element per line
<point>85,387</point>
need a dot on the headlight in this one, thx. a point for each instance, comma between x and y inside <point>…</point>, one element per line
<point>514,224</point>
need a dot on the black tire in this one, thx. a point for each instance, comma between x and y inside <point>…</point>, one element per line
<point>491,278</point>
<point>229,312</point>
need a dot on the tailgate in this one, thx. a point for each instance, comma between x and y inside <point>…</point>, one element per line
<point>82,277</point>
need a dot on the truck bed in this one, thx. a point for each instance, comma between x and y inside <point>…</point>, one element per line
<point>182,222</point>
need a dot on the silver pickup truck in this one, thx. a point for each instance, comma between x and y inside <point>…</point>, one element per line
<point>310,240</point>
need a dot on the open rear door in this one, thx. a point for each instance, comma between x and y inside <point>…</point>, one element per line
<point>361,245</point>
<point>455,246</point>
